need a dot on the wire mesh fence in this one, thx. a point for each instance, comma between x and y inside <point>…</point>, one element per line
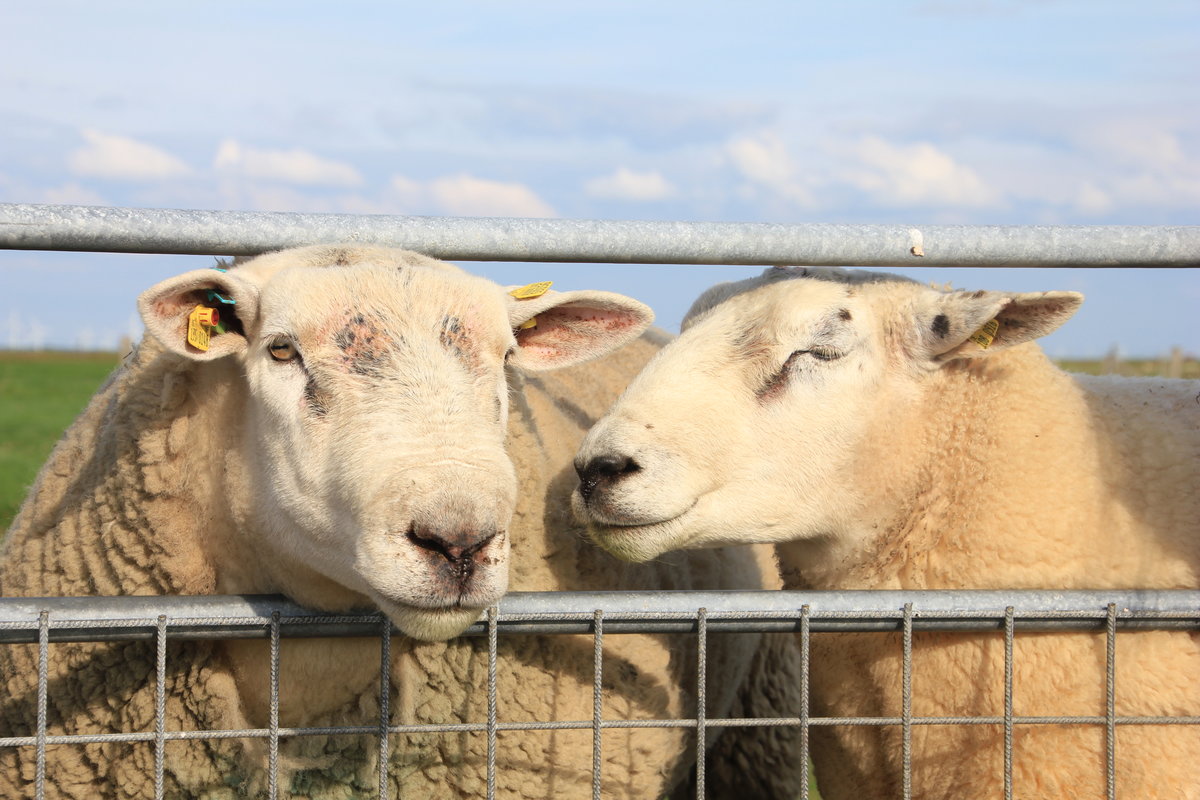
<point>601,615</point>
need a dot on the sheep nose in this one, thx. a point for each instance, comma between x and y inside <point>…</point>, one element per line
<point>603,469</point>
<point>459,547</point>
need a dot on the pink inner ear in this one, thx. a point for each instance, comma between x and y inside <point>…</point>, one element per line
<point>566,331</point>
<point>595,319</point>
<point>168,306</point>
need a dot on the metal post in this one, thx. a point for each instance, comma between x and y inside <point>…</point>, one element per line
<point>597,698</point>
<point>493,644</point>
<point>160,707</point>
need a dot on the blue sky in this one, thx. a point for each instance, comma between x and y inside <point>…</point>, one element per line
<point>974,112</point>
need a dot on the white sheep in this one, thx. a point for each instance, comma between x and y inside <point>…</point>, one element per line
<point>888,435</point>
<point>342,439</point>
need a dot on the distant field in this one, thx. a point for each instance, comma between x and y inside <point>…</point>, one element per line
<point>42,393</point>
<point>1135,368</point>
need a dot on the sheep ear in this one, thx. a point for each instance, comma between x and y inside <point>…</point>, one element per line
<point>557,329</point>
<point>165,308</point>
<point>977,324</point>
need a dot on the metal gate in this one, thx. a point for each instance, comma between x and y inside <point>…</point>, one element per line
<point>703,614</point>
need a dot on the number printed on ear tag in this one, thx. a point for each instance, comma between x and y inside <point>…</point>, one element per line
<point>985,335</point>
<point>532,290</point>
<point>200,324</point>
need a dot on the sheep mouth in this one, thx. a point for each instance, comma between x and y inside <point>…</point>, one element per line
<point>430,622</point>
<point>441,593</point>
<point>610,527</point>
<point>642,541</point>
<point>458,598</point>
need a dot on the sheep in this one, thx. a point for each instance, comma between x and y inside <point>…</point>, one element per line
<point>366,428</point>
<point>890,435</point>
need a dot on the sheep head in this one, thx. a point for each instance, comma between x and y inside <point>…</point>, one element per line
<point>374,393</point>
<point>788,408</point>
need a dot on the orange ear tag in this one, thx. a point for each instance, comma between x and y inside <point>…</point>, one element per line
<point>985,335</point>
<point>200,324</point>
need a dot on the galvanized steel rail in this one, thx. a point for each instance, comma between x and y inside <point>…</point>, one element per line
<point>137,230</point>
<point>250,616</point>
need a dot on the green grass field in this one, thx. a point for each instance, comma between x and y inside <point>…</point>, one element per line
<point>40,395</point>
<point>1136,368</point>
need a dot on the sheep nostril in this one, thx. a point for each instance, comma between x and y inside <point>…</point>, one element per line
<point>458,548</point>
<point>603,468</point>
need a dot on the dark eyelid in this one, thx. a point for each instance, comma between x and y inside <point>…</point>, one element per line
<point>826,353</point>
<point>775,384</point>
<point>819,352</point>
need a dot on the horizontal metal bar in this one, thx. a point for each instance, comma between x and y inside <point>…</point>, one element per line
<point>233,617</point>
<point>138,230</point>
<point>481,727</point>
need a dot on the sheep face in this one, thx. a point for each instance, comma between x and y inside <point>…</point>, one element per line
<point>776,412</point>
<point>372,406</point>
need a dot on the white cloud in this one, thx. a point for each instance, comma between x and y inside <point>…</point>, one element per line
<point>917,174</point>
<point>109,156</point>
<point>1172,190</point>
<point>295,166</point>
<point>73,194</point>
<point>407,193</point>
<point>1143,162</point>
<point>462,195</point>
<point>763,159</point>
<point>1144,143</point>
<point>625,184</point>
<point>1092,200</point>
<point>468,196</point>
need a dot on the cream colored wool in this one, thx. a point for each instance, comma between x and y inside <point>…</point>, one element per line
<point>850,418</point>
<point>147,494</point>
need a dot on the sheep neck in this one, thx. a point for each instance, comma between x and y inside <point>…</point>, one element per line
<point>1003,462</point>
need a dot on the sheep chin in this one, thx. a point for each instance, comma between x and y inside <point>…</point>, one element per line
<point>636,543</point>
<point>429,624</point>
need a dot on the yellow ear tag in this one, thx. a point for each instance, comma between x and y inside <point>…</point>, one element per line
<point>985,335</point>
<point>532,290</point>
<point>527,324</point>
<point>200,324</point>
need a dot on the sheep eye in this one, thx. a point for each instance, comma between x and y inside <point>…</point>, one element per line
<point>820,353</point>
<point>825,353</point>
<point>282,349</point>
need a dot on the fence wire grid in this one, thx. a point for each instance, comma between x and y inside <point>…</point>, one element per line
<point>703,614</point>
<point>600,615</point>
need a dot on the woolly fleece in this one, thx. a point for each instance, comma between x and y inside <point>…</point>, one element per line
<point>890,451</point>
<point>134,500</point>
